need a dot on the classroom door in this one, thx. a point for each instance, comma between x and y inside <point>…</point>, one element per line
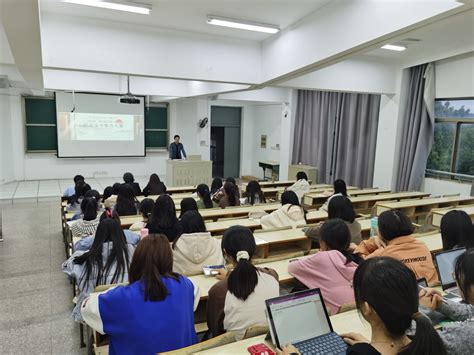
<point>225,141</point>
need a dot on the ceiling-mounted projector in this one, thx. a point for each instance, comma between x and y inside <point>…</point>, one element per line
<point>129,98</point>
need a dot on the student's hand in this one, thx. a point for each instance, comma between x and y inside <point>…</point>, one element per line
<point>430,298</point>
<point>427,291</point>
<point>222,274</point>
<point>352,247</point>
<point>354,338</point>
<point>379,242</point>
<point>287,350</point>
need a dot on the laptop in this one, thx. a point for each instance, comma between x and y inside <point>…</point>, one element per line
<point>302,320</point>
<point>445,262</point>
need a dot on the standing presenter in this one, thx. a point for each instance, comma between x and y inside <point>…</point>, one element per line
<point>177,149</point>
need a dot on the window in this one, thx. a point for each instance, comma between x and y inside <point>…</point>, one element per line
<point>453,146</point>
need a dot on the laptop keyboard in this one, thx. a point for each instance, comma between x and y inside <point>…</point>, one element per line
<point>329,343</point>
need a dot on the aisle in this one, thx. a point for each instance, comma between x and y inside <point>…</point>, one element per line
<point>35,296</point>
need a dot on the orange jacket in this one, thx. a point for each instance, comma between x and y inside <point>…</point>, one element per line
<point>409,250</point>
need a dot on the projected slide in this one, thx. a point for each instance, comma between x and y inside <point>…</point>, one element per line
<point>95,125</point>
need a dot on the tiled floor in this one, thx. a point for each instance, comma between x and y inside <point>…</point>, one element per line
<point>35,295</point>
<point>48,190</point>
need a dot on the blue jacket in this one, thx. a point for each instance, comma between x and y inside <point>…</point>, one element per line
<point>177,151</point>
<point>138,327</point>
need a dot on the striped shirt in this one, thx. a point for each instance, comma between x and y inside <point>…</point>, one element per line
<point>82,228</point>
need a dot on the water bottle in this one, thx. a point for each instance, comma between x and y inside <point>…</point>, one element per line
<point>374,226</point>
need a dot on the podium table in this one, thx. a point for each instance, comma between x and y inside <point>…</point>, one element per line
<point>188,172</point>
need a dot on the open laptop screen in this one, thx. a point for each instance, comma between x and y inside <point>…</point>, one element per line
<point>445,262</point>
<point>298,317</point>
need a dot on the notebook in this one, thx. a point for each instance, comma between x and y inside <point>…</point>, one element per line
<point>301,319</point>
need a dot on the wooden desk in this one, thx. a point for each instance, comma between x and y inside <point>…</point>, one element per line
<point>284,241</point>
<point>439,213</point>
<point>317,198</point>
<point>180,189</point>
<point>216,228</point>
<point>414,208</point>
<point>278,183</point>
<point>272,165</point>
<point>432,240</point>
<point>342,323</point>
<point>365,203</point>
<point>217,213</point>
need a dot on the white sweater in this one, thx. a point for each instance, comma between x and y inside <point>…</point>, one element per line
<point>286,216</point>
<point>195,250</point>
<point>300,188</point>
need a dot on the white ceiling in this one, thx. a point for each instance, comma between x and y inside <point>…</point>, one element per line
<point>190,15</point>
<point>444,37</point>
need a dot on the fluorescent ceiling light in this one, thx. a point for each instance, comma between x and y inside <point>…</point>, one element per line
<point>121,6</point>
<point>242,25</point>
<point>393,47</point>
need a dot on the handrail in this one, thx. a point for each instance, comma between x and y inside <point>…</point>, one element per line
<point>445,174</point>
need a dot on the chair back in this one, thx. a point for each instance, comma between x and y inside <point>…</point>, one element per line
<point>220,340</point>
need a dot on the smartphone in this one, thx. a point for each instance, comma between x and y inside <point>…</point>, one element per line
<point>211,270</point>
<point>259,349</point>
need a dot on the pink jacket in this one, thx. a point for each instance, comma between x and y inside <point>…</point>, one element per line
<point>328,271</point>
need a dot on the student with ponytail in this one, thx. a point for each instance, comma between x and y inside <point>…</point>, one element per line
<point>89,222</point>
<point>237,302</point>
<point>230,197</point>
<point>386,294</point>
<point>332,268</point>
<point>204,195</point>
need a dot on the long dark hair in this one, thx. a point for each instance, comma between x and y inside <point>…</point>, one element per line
<point>457,230</point>
<point>126,201</point>
<point>116,188</point>
<point>145,207</point>
<point>187,204</point>
<point>340,187</point>
<point>289,197</point>
<point>244,278</point>
<point>80,189</point>
<point>231,193</point>
<point>464,272</point>
<point>390,289</point>
<point>154,179</point>
<point>108,230</point>
<point>393,224</point>
<point>153,260</point>
<point>336,235</point>
<point>191,222</point>
<point>341,207</point>
<point>253,189</point>
<point>89,208</point>
<point>301,175</point>
<point>216,185</point>
<point>164,212</point>
<point>108,191</point>
<point>203,191</point>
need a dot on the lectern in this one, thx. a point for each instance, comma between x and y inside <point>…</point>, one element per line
<point>188,172</point>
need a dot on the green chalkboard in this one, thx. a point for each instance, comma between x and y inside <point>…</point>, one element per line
<point>41,138</point>
<point>156,139</point>
<point>156,117</point>
<point>40,111</point>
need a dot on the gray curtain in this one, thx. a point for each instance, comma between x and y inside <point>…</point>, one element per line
<point>417,128</point>
<point>337,132</point>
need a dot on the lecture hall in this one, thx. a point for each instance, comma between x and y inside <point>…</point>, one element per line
<point>263,177</point>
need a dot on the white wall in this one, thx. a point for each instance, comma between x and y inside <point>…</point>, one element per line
<point>437,187</point>
<point>455,76</point>
<point>6,158</point>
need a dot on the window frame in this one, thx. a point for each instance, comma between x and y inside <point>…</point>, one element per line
<point>458,121</point>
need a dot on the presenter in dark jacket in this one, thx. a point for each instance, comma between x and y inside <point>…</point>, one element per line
<point>177,149</point>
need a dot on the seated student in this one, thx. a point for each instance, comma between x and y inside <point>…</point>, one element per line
<point>340,189</point>
<point>290,214</point>
<point>332,268</point>
<point>221,193</point>
<point>129,179</point>
<point>71,189</point>
<point>196,247</point>
<point>91,193</point>
<point>237,302</point>
<point>395,240</point>
<point>154,186</point>
<point>254,194</point>
<point>204,195</point>
<point>458,337</point>
<point>187,204</point>
<point>457,230</point>
<point>87,225</point>
<point>126,201</point>
<point>339,207</point>
<point>112,200</point>
<point>230,197</point>
<point>144,208</point>
<point>130,237</point>
<point>163,219</point>
<point>154,313</point>
<point>74,202</point>
<point>301,186</point>
<point>216,186</point>
<point>386,294</point>
<point>108,191</point>
<point>105,263</point>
